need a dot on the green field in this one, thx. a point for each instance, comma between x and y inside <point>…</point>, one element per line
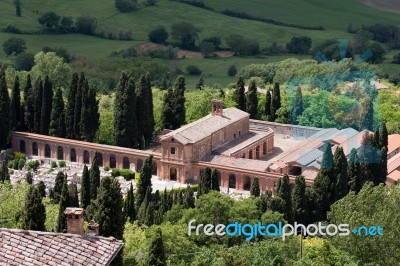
<point>332,15</point>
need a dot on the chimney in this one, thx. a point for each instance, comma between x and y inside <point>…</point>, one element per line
<point>93,228</point>
<point>216,106</point>
<point>74,220</point>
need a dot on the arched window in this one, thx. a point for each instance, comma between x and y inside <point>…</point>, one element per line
<point>100,158</point>
<point>113,161</point>
<point>86,157</point>
<point>232,181</point>
<point>47,151</point>
<point>125,163</point>
<point>73,156</point>
<point>172,174</point>
<point>246,182</point>
<point>35,150</point>
<point>250,154</point>
<point>22,147</point>
<point>264,148</point>
<point>258,152</point>
<point>139,165</point>
<point>60,153</point>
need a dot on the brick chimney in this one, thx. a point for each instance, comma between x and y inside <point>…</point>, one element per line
<point>74,220</point>
<point>93,228</point>
<point>216,107</point>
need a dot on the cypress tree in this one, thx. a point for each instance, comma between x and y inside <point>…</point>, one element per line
<point>265,200</point>
<point>354,172</point>
<point>200,83</point>
<point>383,136</point>
<point>149,217</point>
<point>15,110</point>
<point>383,166</point>
<point>35,211</point>
<point>275,101</point>
<point>4,175</point>
<point>142,211</point>
<point>42,189</point>
<point>255,187</point>
<point>340,173</point>
<point>38,92</point>
<point>215,177</point>
<point>57,124</point>
<point>29,178</point>
<point>268,105</point>
<point>29,105</point>
<point>298,106</point>
<point>129,207</point>
<point>145,111</point>
<point>189,198</point>
<point>85,188</point>
<point>179,100</point>
<point>64,203</point>
<point>78,105</point>
<point>285,194</point>
<point>144,181</point>
<point>70,110</point>
<point>240,98</point>
<point>205,182</point>
<point>47,102</point>
<point>156,251</point>
<point>90,117</point>
<point>168,115</point>
<point>131,121</point>
<point>252,100</point>
<point>299,200</point>
<point>4,111</point>
<point>324,183</point>
<point>108,208</point>
<point>94,176</point>
<point>73,196</point>
<point>58,186</point>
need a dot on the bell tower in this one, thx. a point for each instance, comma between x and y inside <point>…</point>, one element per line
<point>216,107</point>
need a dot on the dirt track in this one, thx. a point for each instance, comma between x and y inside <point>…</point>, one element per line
<point>385,5</point>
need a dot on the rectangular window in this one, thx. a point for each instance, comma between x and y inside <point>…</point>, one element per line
<point>234,136</point>
<point>173,150</point>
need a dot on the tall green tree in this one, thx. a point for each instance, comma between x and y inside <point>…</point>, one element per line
<point>189,198</point>
<point>240,97</point>
<point>107,209</point>
<point>200,83</point>
<point>57,124</point>
<point>18,8</point>
<point>142,213</point>
<point>179,96</point>
<point>35,212</point>
<point>340,173</point>
<point>73,196</point>
<point>58,186</point>
<point>324,183</point>
<point>29,178</point>
<point>15,109</point>
<point>383,136</point>
<point>255,187</point>
<point>284,193</point>
<point>354,172</point>
<point>64,203</point>
<point>268,105</point>
<point>252,100</point>
<point>38,92</point>
<point>85,188</point>
<point>90,117</point>
<point>205,182</point>
<point>215,179</point>
<point>156,253</point>
<point>70,110</point>
<point>4,111</point>
<point>275,101</point>
<point>168,114</point>
<point>42,189</point>
<point>80,92</point>
<point>144,181</point>
<point>297,107</point>
<point>299,202</point>
<point>94,176</point>
<point>129,205</point>
<point>144,111</point>
<point>47,103</point>
<point>29,105</point>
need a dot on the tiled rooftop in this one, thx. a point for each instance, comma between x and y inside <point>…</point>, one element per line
<point>22,247</point>
<point>393,163</point>
<point>247,164</point>
<point>393,142</point>
<point>205,126</point>
<point>241,142</point>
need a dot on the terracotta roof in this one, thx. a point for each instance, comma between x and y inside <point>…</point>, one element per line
<point>204,127</point>
<point>242,142</point>
<point>22,247</point>
<point>393,142</point>
<point>393,163</point>
<point>394,176</point>
<point>241,163</point>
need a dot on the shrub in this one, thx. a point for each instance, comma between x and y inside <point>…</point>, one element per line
<point>14,46</point>
<point>60,51</point>
<point>11,171</point>
<point>126,173</point>
<point>106,168</point>
<point>49,20</point>
<point>61,164</point>
<point>242,46</point>
<point>193,70</point>
<point>232,71</point>
<point>158,35</point>
<point>156,53</point>
<point>21,163</point>
<point>24,61</point>
<point>33,165</point>
<point>53,164</point>
<point>15,164</point>
<point>396,59</point>
<point>10,165</point>
<point>299,45</point>
<point>86,24</point>
<point>11,29</point>
<point>126,6</point>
